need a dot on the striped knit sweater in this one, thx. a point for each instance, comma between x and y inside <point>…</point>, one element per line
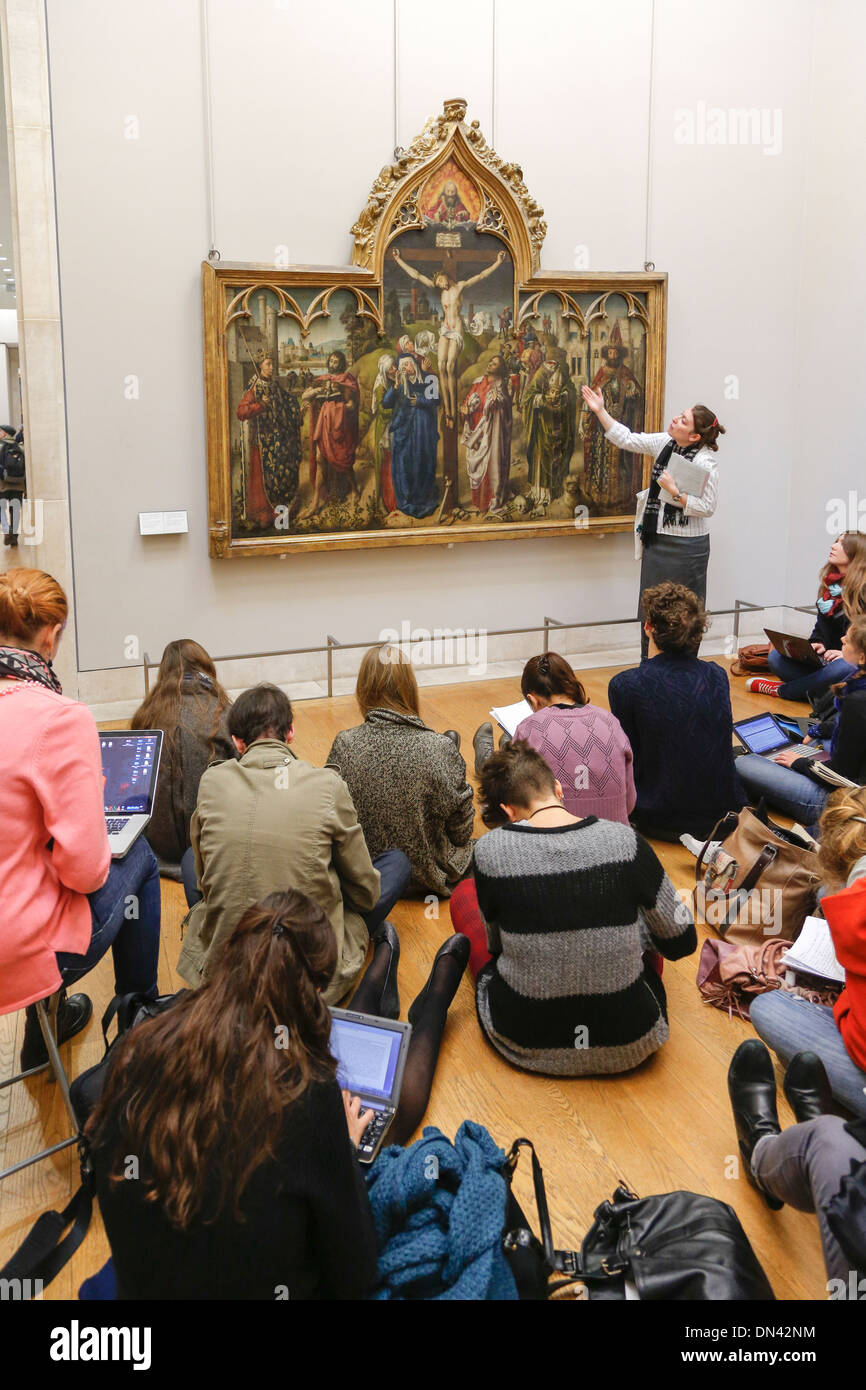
<point>569,912</point>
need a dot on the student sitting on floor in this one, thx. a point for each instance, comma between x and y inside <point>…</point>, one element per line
<point>559,915</point>
<point>841,598</point>
<point>190,706</point>
<point>270,821</point>
<point>248,1185</point>
<point>817,1165</point>
<point>64,901</point>
<point>675,711</point>
<point>408,784</point>
<point>788,781</point>
<point>584,746</point>
<point>787,1023</point>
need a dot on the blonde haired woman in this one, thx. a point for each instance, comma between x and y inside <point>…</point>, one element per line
<point>407,782</point>
<point>789,1024</point>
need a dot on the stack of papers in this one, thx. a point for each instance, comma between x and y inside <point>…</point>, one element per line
<point>510,716</point>
<point>813,952</point>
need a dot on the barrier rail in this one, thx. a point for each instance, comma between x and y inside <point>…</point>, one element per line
<point>332,643</point>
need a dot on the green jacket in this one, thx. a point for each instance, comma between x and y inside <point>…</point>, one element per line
<point>266,823</point>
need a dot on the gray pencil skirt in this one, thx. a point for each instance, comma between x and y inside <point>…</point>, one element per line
<point>680,561</point>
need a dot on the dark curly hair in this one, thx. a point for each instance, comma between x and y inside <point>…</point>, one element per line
<point>677,617</point>
<point>512,777</point>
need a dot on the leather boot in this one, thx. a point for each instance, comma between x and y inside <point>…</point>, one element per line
<point>72,1015</point>
<point>807,1087</point>
<point>483,745</point>
<point>454,737</point>
<point>752,1088</point>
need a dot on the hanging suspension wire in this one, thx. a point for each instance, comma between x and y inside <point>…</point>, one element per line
<point>213,254</point>
<point>647,263</point>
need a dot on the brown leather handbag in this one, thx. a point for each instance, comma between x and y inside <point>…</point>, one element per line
<point>760,882</point>
<point>752,661</point>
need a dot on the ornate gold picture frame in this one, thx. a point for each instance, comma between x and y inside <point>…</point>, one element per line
<point>430,392</point>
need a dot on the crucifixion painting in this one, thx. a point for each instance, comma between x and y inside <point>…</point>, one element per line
<point>429,391</point>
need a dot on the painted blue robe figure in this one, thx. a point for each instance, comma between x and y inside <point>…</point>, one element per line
<point>414,437</point>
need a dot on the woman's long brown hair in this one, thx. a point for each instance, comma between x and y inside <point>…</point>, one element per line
<point>161,707</point>
<point>854,583</point>
<point>213,1075</point>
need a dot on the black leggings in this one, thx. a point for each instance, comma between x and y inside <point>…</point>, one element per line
<point>428,1025</point>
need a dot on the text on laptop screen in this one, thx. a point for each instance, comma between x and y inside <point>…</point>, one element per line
<point>762,734</point>
<point>128,762</point>
<point>366,1056</point>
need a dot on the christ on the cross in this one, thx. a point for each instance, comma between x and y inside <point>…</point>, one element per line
<point>451,333</point>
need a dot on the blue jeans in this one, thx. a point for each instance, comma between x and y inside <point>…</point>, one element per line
<point>394,872</point>
<point>792,793</point>
<point>126,916</point>
<point>789,1024</point>
<point>798,682</point>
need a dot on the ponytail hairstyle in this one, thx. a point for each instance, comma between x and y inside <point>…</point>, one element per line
<point>29,601</point>
<point>707,426</point>
<point>843,834</point>
<point>550,676</point>
<point>201,1090</point>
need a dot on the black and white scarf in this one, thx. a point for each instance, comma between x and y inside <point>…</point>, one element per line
<point>20,664</point>
<point>650,522</point>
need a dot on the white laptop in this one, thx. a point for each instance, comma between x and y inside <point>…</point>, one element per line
<point>130,763</point>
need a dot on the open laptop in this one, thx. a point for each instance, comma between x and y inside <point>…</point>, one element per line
<point>795,648</point>
<point>130,763</point>
<point>371,1055</point>
<point>764,735</point>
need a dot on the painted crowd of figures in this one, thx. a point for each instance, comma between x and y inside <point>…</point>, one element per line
<point>522,379</point>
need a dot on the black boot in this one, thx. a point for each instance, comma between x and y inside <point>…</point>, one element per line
<point>456,948</point>
<point>807,1087</point>
<point>386,932</point>
<point>483,745</point>
<point>454,737</point>
<point>752,1088</point>
<point>504,740</point>
<point>73,1015</point>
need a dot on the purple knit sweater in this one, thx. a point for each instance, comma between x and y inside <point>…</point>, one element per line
<point>587,751</point>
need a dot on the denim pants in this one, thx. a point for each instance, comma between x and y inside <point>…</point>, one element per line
<point>394,872</point>
<point>789,1024</point>
<point>798,682</point>
<point>126,916</point>
<point>792,793</point>
<point>804,1166</point>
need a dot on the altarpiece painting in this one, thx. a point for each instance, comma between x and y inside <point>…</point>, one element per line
<point>429,392</point>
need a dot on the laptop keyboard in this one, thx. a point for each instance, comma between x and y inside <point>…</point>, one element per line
<point>114,824</point>
<point>374,1131</point>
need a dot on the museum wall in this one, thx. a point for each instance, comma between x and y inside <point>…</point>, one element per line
<point>303,104</point>
<point>828,462</point>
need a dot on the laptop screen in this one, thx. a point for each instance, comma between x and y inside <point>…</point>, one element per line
<point>367,1056</point>
<point>762,734</point>
<point>129,763</point>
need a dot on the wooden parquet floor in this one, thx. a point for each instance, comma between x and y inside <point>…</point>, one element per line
<point>665,1126</point>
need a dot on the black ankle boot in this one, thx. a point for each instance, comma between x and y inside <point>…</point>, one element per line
<point>752,1088</point>
<point>807,1087</point>
<point>73,1015</point>
<point>457,947</point>
<point>482,742</point>
<point>386,933</point>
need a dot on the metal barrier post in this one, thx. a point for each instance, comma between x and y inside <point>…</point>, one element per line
<point>332,643</point>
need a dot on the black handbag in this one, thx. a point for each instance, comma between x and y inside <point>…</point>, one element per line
<point>45,1249</point>
<point>671,1247</point>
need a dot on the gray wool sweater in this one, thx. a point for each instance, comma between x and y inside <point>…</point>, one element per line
<point>410,793</point>
<point>570,911</point>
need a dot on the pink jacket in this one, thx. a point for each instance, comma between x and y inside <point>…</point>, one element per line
<point>50,788</point>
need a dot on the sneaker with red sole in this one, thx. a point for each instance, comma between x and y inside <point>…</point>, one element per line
<point>763,685</point>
